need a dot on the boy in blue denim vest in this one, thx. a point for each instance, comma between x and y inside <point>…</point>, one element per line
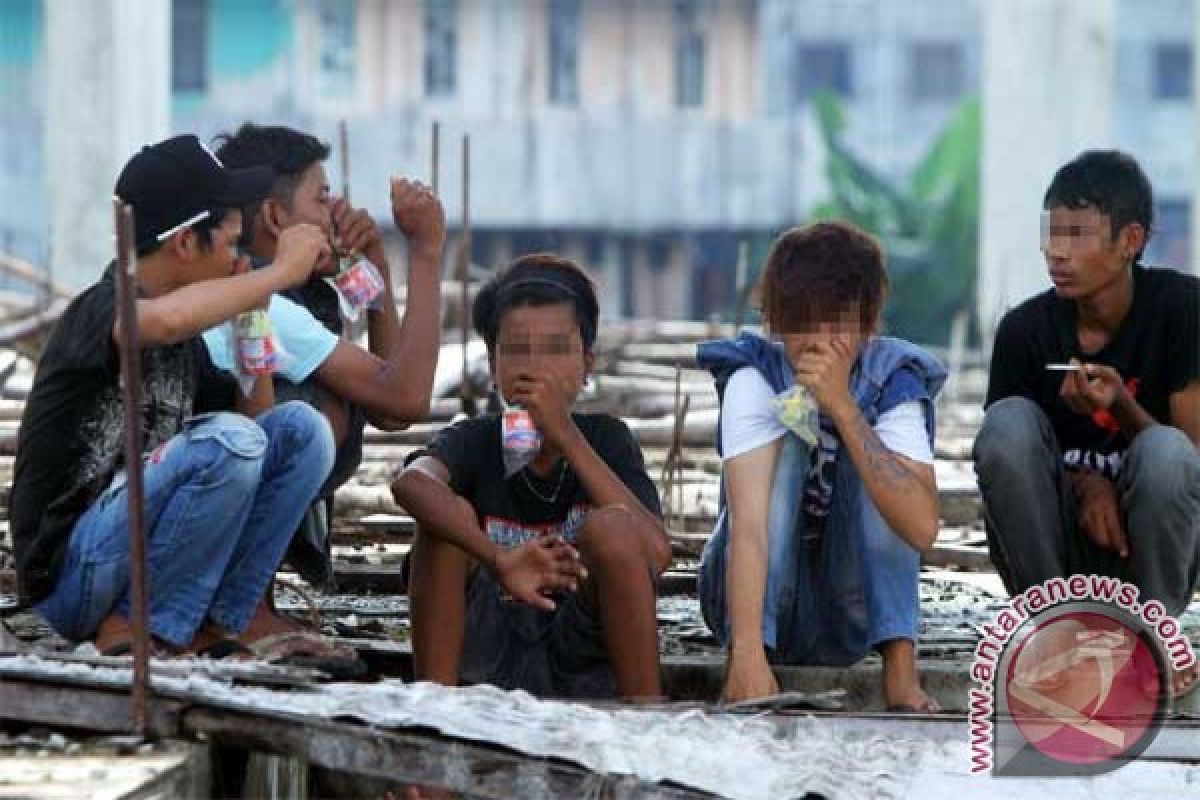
<point>817,548</point>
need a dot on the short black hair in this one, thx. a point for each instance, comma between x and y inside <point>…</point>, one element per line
<point>203,229</point>
<point>285,150</point>
<point>1109,181</point>
<point>538,279</point>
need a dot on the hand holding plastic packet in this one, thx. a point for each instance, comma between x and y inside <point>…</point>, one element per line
<point>797,411</point>
<point>358,285</point>
<point>520,440</point>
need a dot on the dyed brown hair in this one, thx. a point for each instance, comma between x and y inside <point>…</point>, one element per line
<point>816,271</point>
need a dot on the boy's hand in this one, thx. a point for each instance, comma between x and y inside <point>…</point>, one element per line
<point>1100,513</point>
<point>301,247</point>
<point>548,401</point>
<point>540,566</point>
<point>748,677</point>
<point>825,371</point>
<point>1093,388</point>
<point>358,233</point>
<point>418,215</point>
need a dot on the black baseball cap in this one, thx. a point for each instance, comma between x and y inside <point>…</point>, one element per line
<point>179,182</point>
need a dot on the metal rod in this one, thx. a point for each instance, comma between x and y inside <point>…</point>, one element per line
<point>464,255</point>
<point>131,385</point>
<point>344,156</point>
<point>435,166</point>
<point>741,290</point>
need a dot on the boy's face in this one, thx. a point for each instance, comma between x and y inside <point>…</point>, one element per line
<point>1082,257</point>
<point>541,341</point>
<point>838,323</point>
<point>311,202</point>
<point>220,258</point>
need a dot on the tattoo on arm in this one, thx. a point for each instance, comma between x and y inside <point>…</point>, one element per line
<point>883,462</point>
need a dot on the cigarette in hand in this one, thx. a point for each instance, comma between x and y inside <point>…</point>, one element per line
<point>1065,367</point>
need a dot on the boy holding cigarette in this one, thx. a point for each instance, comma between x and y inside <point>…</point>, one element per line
<point>1087,459</point>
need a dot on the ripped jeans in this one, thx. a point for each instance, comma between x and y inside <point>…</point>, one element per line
<point>222,501</point>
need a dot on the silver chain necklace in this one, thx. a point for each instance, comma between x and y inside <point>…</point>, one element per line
<point>562,476</point>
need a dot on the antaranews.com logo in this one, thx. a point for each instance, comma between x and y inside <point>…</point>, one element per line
<point>1072,678</point>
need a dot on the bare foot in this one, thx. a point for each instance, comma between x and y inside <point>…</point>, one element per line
<point>115,637</point>
<point>266,622</point>
<point>901,684</point>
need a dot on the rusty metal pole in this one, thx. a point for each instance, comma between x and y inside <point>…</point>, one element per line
<point>344,158</point>
<point>434,167</point>
<point>464,262</point>
<point>131,385</point>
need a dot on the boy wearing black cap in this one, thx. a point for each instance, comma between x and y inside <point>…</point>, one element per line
<point>223,491</point>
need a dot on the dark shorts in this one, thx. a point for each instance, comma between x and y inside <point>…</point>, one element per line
<point>548,654</point>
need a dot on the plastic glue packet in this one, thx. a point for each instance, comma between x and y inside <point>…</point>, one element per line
<point>520,440</point>
<point>256,350</point>
<point>358,285</point>
<point>797,411</point>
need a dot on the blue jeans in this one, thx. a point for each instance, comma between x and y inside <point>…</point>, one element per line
<point>222,501</point>
<point>1033,522</point>
<point>831,598</point>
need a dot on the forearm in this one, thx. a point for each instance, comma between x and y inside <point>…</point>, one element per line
<point>411,361</point>
<point>606,489</point>
<point>383,323</point>
<point>190,310</point>
<point>435,507</point>
<point>260,400</point>
<point>1130,415</point>
<point>746,584</point>
<point>907,503</point>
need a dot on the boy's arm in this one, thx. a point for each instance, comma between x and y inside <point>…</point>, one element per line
<point>527,572</point>
<point>393,380</point>
<point>1185,411</point>
<point>748,479</point>
<point>549,404</point>
<point>260,400</point>
<point>904,491</point>
<point>192,309</point>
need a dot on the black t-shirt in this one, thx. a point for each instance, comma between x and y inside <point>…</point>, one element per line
<point>71,442</point>
<point>1156,351</point>
<point>524,506</point>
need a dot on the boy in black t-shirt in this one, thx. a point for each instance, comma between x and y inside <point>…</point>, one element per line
<point>223,492</point>
<point>1087,459</point>
<point>543,580</point>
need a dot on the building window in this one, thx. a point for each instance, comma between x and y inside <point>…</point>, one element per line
<point>822,66</point>
<point>935,71</point>
<point>1173,71</point>
<point>441,47</point>
<point>563,44</point>
<point>336,39</point>
<point>689,56</point>
<point>189,45</point>
<point>1170,244</point>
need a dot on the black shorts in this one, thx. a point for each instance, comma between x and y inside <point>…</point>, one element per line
<point>508,644</point>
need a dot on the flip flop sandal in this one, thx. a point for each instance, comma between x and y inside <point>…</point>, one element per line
<point>302,649</point>
<point>226,648</point>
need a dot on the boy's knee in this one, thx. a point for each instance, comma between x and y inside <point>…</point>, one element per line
<point>609,537</point>
<point>1012,428</point>
<point>308,428</point>
<point>230,447</point>
<point>1162,460</point>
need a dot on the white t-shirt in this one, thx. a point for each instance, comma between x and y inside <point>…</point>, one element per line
<point>305,343</point>
<point>748,420</point>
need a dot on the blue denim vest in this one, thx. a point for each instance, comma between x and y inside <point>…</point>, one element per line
<point>888,372</point>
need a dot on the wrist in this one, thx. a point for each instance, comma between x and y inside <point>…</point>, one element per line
<point>842,409</point>
<point>425,249</point>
